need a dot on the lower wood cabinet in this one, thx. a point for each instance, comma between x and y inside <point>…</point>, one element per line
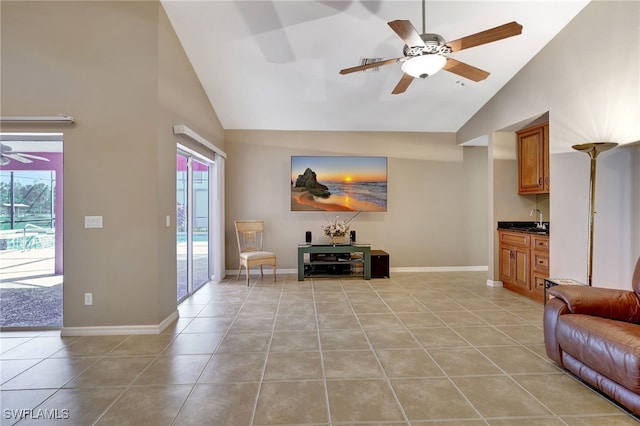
<point>539,263</point>
<point>524,262</point>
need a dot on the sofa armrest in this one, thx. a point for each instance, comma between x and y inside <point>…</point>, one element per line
<point>621,305</point>
<point>552,311</point>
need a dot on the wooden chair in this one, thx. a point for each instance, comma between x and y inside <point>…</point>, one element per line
<point>250,236</point>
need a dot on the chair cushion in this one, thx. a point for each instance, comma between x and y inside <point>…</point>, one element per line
<point>256,255</point>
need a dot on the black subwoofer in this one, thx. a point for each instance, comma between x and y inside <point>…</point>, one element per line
<point>379,264</point>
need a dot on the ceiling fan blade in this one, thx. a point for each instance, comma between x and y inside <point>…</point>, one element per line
<point>18,157</point>
<point>35,157</point>
<point>369,65</point>
<point>465,70</point>
<point>402,85</point>
<point>407,32</point>
<point>483,37</point>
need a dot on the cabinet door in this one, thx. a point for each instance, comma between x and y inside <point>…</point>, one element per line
<point>531,156</point>
<point>514,267</point>
<point>507,266</point>
<point>545,149</point>
<point>521,263</point>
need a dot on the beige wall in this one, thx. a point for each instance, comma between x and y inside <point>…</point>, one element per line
<point>437,199</point>
<point>118,68</point>
<point>588,100</point>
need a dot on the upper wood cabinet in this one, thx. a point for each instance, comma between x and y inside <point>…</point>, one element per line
<point>533,160</point>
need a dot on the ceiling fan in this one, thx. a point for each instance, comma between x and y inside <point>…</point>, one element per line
<point>424,54</point>
<point>7,154</point>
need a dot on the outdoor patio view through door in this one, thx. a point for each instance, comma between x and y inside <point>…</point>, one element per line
<point>192,223</point>
<point>31,230</point>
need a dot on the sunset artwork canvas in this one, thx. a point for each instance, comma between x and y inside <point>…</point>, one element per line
<point>339,183</point>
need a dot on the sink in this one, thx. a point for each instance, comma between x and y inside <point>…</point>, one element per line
<point>536,230</point>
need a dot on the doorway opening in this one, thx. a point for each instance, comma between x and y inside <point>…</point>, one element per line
<point>31,219</point>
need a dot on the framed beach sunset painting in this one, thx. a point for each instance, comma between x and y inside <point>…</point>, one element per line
<point>339,183</point>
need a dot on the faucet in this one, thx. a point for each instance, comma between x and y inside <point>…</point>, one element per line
<point>540,225</point>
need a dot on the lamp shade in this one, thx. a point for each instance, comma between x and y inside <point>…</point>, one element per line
<point>424,66</point>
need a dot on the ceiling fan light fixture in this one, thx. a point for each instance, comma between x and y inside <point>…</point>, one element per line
<point>424,66</point>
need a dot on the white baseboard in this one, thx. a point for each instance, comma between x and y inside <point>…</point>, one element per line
<point>256,271</point>
<point>440,269</point>
<point>117,330</point>
<point>492,283</point>
<point>234,272</point>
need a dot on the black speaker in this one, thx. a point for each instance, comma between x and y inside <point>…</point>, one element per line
<point>352,235</point>
<point>307,237</point>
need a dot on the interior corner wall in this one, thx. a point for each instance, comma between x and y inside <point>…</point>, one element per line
<point>437,195</point>
<point>587,101</point>
<point>100,61</point>
<point>181,100</point>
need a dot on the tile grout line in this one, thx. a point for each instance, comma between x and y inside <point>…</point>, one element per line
<point>434,360</point>
<point>385,376</point>
<point>197,380</point>
<point>324,373</point>
<point>266,359</point>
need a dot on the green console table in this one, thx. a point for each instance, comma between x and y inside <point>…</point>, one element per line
<point>354,247</point>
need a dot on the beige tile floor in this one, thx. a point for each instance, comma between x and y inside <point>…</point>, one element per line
<point>417,349</point>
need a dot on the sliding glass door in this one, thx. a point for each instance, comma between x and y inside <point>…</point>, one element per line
<point>182,224</point>
<point>192,223</point>
<point>200,218</point>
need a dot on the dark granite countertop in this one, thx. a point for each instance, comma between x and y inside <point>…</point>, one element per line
<point>528,227</point>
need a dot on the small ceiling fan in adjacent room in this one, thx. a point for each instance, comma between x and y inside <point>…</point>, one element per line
<point>7,154</point>
<point>424,54</point>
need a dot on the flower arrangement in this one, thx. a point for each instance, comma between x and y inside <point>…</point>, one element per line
<point>336,228</point>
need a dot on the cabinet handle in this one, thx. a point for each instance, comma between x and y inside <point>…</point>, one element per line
<point>539,181</point>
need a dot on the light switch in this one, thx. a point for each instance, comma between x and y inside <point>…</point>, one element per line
<point>93,221</point>
<point>168,221</point>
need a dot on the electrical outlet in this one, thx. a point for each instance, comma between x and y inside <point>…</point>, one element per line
<point>88,298</point>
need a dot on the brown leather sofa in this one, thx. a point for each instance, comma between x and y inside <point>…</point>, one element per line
<point>595,334</point>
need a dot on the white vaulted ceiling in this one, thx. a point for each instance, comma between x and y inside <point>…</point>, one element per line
<point>273,65</point>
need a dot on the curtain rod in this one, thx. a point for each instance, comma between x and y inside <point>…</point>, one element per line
<point>66,119</point>
<point>181,129</point>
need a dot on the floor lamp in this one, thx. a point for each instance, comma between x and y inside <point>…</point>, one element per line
<point>593,149</point>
